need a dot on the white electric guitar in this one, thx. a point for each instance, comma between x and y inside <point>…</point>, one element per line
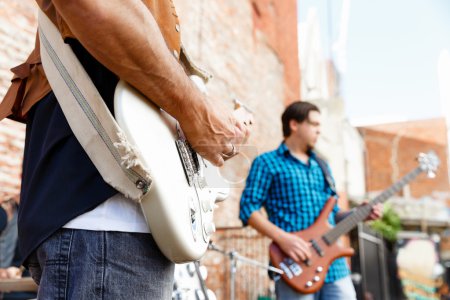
<point>180,205</point>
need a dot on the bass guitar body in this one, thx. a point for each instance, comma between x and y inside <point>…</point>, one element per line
<point>308,277</point>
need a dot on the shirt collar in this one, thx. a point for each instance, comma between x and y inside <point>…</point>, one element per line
<point>284,150</point>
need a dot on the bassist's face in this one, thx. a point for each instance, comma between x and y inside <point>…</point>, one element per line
<point>308,131</point>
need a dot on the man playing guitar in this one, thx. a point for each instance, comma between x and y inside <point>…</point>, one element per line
<point>290,184</point>
<point>81,238</point>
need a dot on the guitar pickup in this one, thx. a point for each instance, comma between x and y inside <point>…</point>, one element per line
<point>317,248</point>
<point>189,160</point>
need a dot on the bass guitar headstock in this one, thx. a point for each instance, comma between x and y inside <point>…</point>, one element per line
<point>429,163</point>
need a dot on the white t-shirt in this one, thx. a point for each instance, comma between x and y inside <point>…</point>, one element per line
<point>115,214</point>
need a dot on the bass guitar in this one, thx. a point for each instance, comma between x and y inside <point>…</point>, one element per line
<point>308,276</point>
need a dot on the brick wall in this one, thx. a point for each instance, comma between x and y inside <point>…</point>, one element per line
<point>11,153</point>
<point>278,20</point>
<point>251,49</point>
<point>243,53</point>
<point>391,150</point>
<point>17,31</point>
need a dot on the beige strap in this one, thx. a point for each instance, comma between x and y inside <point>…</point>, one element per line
<point>88,116</point>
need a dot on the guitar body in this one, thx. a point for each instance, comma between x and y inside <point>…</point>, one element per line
<point>179,206</point>
<point>305,278</point>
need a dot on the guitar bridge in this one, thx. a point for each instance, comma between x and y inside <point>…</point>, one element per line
<point>291,268</point>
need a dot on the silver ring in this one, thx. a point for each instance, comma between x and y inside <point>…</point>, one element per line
<point>231,153</point>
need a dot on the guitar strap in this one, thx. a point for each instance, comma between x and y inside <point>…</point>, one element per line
<point>326,174</point>
<point>88,116</point>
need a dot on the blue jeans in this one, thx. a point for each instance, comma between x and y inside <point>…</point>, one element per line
<point>341,289</point>
<point>83,264</point>
<point>8,242</point>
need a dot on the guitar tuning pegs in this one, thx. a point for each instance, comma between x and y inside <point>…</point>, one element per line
<point>429,163</point>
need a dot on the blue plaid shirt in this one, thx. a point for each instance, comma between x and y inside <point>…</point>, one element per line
<point>293,194</point>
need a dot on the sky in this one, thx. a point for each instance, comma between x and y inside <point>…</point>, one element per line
<point>392,47</point>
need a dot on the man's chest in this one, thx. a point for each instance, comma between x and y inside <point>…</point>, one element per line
<point>293,177</point>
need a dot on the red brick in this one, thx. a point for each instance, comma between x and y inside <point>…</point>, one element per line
<point>405,141</point>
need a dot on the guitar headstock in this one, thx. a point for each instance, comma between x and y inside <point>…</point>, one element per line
<point>429,162</point>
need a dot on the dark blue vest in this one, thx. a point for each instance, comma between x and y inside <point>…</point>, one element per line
<point>59,182</point>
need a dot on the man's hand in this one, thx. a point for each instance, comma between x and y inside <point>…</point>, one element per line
<point>294,246</point>
<point>214,132</point>
<point>376,212</point>
<point>10,273</point>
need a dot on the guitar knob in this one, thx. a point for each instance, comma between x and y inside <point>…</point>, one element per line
<point>319,269</point>
<point>316,278</point>
<point>222,195</point>
<point>210,228</point>
<point>309,284</point>
<point>208,204</point>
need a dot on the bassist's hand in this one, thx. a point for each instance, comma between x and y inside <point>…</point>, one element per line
<point>376,212</point>
<point>295,247</point>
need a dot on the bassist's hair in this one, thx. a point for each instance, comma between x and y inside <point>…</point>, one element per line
<point>299,111</point>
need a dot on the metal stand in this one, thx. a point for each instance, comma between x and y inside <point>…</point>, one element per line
<point>234,257</point>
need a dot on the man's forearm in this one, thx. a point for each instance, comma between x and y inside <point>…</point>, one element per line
<point>264,226</point>
<point>124,37</point>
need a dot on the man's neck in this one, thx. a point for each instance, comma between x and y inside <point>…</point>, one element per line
<point>298,149</point>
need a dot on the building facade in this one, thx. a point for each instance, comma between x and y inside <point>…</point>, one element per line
<point>391,151</point>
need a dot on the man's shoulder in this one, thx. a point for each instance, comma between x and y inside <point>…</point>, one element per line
<point>267,156</point>
<point>267,159</point>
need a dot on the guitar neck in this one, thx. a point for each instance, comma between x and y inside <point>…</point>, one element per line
<point>361,213</point>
